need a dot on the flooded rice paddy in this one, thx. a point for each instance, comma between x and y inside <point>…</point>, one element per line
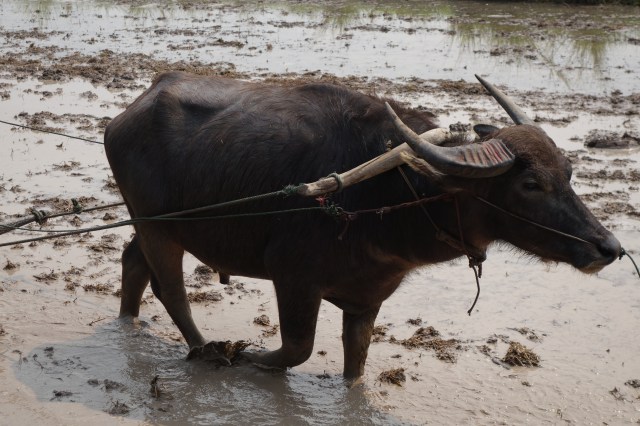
<point>71,66</point>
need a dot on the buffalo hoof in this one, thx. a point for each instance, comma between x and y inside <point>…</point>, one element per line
<point>131,321</point>
<point>257,360</point>
<point>224,278</point>
<point>353,382</point>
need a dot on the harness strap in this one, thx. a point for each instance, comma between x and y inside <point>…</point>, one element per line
<point>475,255</point>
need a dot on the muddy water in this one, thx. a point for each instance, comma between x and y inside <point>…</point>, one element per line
<point>64,359</point>
<point>588,49</point>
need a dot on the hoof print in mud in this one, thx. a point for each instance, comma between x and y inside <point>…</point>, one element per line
<point>225,353</point>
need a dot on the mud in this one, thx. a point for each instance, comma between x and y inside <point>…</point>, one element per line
<point>65,359</point>
<point>600,139</point>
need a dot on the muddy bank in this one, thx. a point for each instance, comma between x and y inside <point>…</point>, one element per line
<point>545,343</point>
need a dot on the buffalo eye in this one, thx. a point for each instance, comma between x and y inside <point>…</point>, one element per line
<point>531,185</point>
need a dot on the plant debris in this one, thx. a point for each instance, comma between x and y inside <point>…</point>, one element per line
<point>60,394</point>
<point>415,321</point>
<point>379,333</point>
<point>46,277</point>
<point>118,408</point>
<point>156,388</point>
<point>528,333</point>
<point>395,376</point>
<point>270,331</point>
<point>262,320</point>
<point>428,338</point>
<point>204,296</point>
<point>617,394</point>
<point>98,288</point>
<point>231,349</point>
<point>635,383</point>
<point>220,352</point>
<point>10,266</point>
<point>203,274</point>
<point>110,385</point>
<point>520,355</point>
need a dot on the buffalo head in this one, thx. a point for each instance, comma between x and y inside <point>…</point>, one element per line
<point>522,180</point>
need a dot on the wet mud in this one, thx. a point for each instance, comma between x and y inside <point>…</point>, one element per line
<point>545,344</point>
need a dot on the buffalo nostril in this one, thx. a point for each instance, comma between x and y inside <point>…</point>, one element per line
<point>610,247</point>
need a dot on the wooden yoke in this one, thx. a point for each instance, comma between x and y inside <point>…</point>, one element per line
<point>371,168</point>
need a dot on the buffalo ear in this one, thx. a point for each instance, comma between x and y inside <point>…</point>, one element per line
<point>484,130</point>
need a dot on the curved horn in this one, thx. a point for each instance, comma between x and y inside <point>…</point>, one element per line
<point>480,160</point>
<point>515,112</point>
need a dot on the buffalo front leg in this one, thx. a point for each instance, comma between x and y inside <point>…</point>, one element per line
<point>298,313</point>
<point>165,261</point>
<point>135,277</point>
<point>356,337</point>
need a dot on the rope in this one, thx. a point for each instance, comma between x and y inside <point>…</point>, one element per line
<point>42,216</point>
<point>330,209</point>
<point>338,179</point>
<point>64,233</point>
<point>51,132</point>
<point>39,216</point>
<point>477,275</point>
<point>388,209</point>
<point>625,253</point>
<point>475,261</point>
<point>175,216</point>
<point>573,237</point>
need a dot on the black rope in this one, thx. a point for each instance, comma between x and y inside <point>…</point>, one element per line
<point>524,219</point>
<point>41,216</point>
<point>477,275</point>
<point>625,253</point>
<point>475,261</point>
<point>65,233</point>
<point>51,132</point>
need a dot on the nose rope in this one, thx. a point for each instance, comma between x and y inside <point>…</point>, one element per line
<point>623,252</point>
<point>524,219</point>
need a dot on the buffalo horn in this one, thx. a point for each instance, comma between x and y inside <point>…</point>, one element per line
<point>515,112</point>
<point>478,160</point>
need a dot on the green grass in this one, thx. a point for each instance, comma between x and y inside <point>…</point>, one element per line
<point>594,2</point>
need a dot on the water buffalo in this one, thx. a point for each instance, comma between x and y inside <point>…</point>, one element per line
<point>191,141</point>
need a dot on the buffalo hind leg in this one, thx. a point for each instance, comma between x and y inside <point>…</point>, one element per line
<point>356,337</point>
<point>298,314</point>
<point>224,278</point>
<point>135,277</point>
